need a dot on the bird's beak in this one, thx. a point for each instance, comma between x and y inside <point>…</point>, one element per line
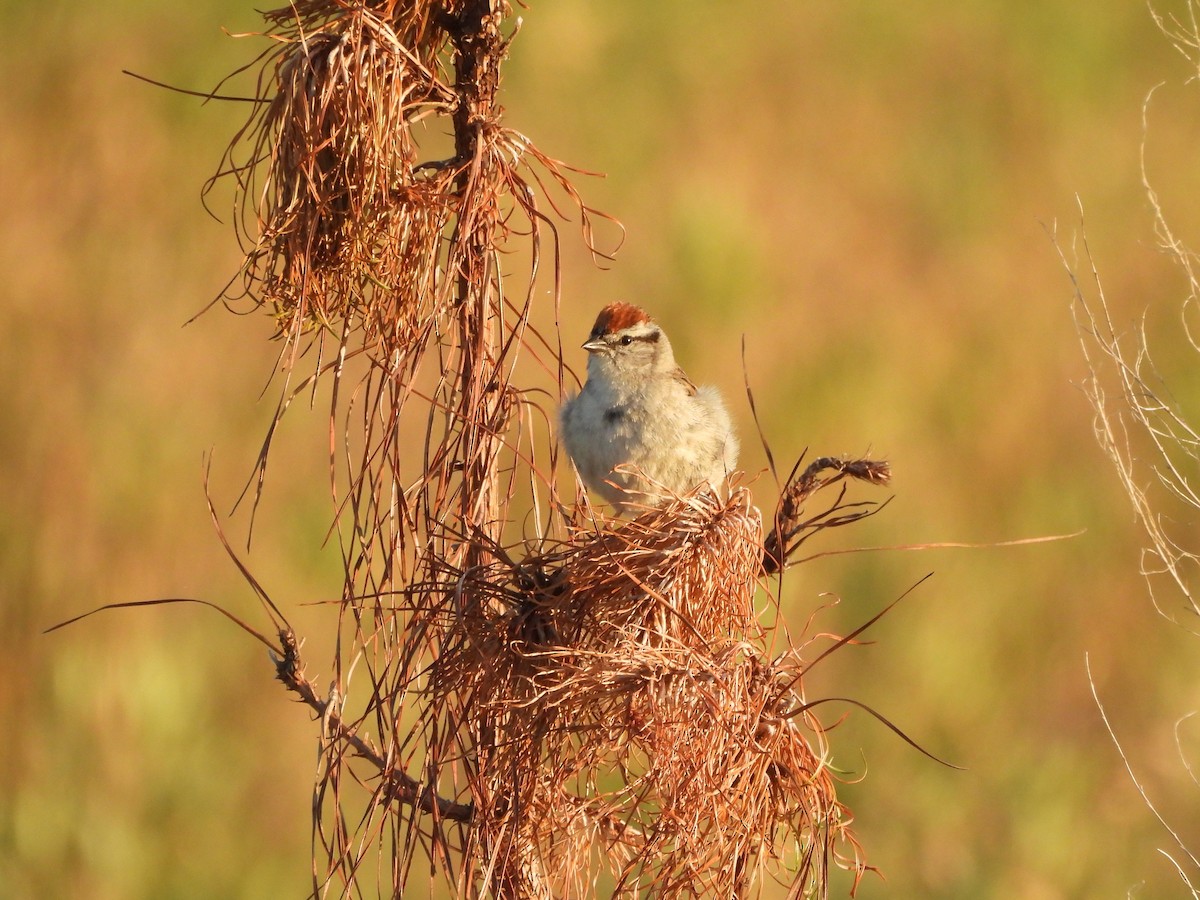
<point>594,346</point>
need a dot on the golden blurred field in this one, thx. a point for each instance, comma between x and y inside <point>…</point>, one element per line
<point>863,193</point>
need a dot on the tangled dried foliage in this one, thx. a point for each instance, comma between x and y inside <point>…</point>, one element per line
<point>631,722</point>
<point>592,706</point>
<point>344,225</point>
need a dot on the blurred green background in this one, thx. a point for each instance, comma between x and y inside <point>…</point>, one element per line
<point>860,191</point>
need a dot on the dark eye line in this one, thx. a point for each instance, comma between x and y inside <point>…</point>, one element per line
<point>651,338</point>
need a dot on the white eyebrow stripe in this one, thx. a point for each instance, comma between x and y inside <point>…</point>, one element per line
<point>647,332</point>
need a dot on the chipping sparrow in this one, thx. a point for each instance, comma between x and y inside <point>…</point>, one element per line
<point>640,412</point>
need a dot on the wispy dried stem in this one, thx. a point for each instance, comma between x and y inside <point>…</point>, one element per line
<point>1152,442</point>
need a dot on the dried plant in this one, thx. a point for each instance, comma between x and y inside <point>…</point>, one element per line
<point>581,705</point>
<point>1152,442</point>
<point>1136,415</point>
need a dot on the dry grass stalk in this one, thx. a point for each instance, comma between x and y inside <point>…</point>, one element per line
<point>793,526</point>
<point>596,707</point>
<point>1151,441</point>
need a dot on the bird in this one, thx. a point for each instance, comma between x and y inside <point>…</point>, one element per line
<point>640,432</point>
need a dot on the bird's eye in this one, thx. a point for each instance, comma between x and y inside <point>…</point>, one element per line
<point>626,340</point>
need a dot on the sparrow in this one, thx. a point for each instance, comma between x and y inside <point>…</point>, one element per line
<point>640,432</point>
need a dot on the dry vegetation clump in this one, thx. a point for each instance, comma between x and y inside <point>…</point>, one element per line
<point>588,707</point>
<point>341,224</point>
<point>629,711</point>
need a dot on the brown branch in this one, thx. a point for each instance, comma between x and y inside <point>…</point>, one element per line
<point>401,786</point>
